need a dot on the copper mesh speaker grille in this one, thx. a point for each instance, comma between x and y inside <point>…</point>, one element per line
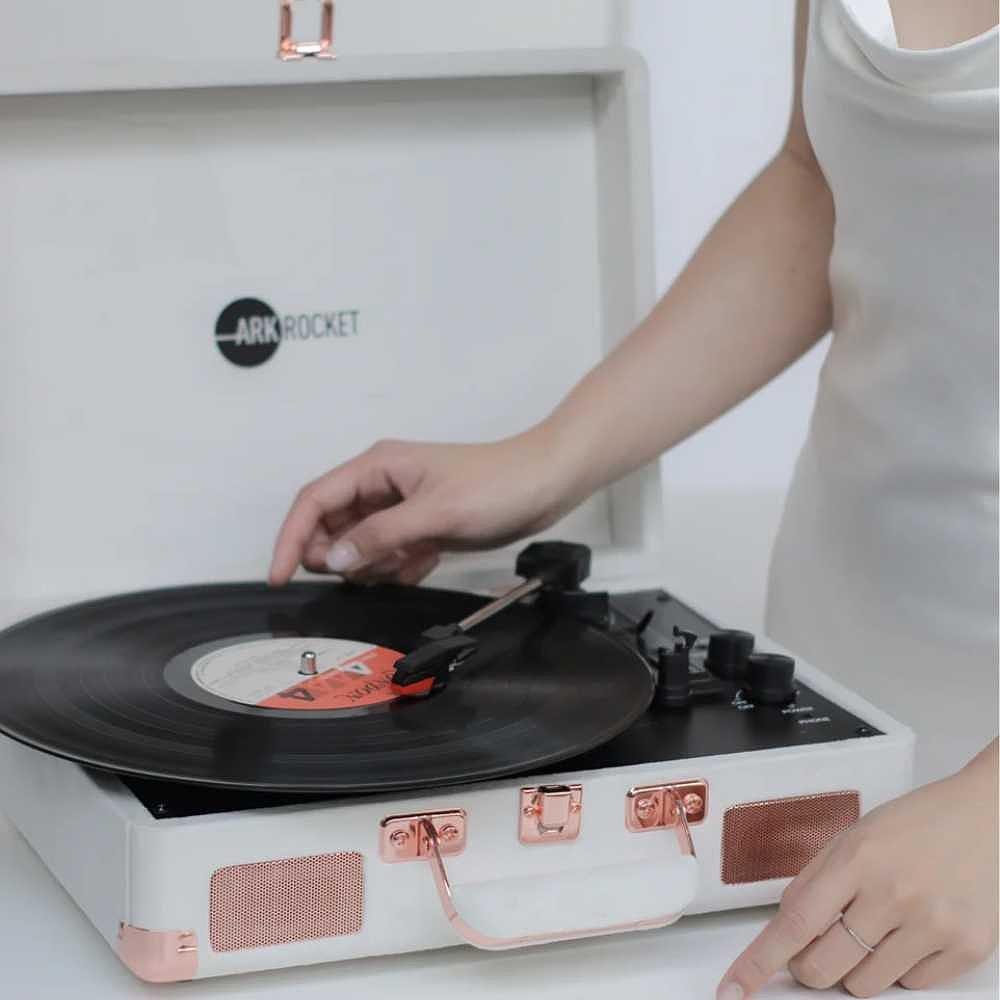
<point>778,838</point>
<point>295,899</point>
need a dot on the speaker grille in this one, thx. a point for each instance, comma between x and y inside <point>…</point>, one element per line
<point>778,838</point>
<point>295,899</point>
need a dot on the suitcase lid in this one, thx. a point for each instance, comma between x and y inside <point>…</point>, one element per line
<point>222,279</point>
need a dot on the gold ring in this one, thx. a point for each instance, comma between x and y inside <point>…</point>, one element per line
<point>857,937</point>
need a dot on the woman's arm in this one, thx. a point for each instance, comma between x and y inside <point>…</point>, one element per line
<point>752,300</point>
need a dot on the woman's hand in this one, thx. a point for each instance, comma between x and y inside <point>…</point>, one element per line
<point>916,880</point>
<point>390,512</point>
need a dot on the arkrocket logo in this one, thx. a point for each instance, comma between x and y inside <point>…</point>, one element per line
<point>248,331</point>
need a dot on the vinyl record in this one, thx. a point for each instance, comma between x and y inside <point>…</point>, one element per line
<point>200,684</point>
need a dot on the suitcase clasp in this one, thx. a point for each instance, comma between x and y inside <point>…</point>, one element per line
<point>550,813</point>
<point>289,49</point>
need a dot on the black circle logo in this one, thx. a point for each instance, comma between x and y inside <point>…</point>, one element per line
<point>248,332</point>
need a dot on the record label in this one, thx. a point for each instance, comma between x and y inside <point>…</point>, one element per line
<point>264,673</point>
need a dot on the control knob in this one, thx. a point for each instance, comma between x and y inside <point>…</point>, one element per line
<point>770,679</point>
<point>727,654</point>
<point>673,679</point>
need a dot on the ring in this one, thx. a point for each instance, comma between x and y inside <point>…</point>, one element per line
<point>857,937</point>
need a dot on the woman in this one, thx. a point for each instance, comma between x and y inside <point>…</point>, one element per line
<point>878,219</point>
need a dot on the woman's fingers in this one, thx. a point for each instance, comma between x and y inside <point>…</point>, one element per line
<point>345,494</point>
<point>805,913</point>
<point>401,494</point>
<point>331,494</point>
<point>943,966</point>
<point>317,549</point>
<point>362,548</point>
<point>895,955</point>
<point>406,526</point>
<point>828,959</point>
<point>317,553</point>
<point>417,567</point>
<point>381,570</point>
<point>407,566</point>
<point>919,868</point>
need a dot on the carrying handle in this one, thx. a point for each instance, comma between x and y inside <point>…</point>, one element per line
<point>490,942</point>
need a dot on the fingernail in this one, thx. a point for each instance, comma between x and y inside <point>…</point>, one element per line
<point>730,991</point>
<point>342,557</point>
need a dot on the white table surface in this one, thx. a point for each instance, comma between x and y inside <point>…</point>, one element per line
<point>48,949</point>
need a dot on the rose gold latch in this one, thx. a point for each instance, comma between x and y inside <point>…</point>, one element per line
<point>404,838</point>
<point>550,813</point>
<point>289,49</point>
<point>655,807</point>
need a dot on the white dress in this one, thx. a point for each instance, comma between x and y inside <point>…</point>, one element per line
<point>885,567</point>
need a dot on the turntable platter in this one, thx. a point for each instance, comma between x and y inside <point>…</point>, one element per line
<point>201,684</point>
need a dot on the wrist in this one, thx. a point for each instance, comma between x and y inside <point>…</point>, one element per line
<point>974,787</point>
<point>558,462</point>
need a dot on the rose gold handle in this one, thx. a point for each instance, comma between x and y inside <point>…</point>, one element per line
<point>289,49</point>
<point>492,943</point>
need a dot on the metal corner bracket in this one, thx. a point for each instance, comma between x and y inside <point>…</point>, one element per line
<point>158,956</point>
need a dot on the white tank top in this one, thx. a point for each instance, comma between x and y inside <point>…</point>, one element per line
<point>885,567</point>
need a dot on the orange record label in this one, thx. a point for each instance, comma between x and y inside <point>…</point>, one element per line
<point>264,672</point>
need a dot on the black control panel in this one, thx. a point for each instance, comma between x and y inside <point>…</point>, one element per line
<point>737,698</point>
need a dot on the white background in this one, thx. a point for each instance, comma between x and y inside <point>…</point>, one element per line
<point>721,83</point>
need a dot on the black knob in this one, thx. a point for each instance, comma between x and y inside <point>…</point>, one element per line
<point>562,565</point>
<point>728,651</point>
<point>673,679</point>
<point>770,679</point>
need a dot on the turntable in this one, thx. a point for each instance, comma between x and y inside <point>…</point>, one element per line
<point>328,772</point>
<point>248,277</point>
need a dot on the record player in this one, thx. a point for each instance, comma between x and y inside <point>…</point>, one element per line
<point>231,270</point>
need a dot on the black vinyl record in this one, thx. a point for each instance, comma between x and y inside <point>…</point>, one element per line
<point>109,684</point>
